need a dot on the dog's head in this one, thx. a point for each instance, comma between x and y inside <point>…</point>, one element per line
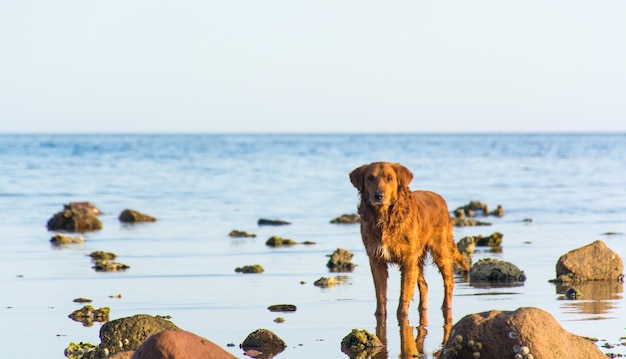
<point>380,183</point>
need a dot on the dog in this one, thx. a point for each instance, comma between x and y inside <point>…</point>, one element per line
<point>400,226</point>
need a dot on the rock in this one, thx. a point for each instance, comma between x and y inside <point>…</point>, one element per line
<point>495,270</point>
<point>526,331</point>
<point>179,344</point>
<point>101,255</point>
<point>79,350</point>
<point>493,240</point>
<point>325,282</point>
<point>255,268</point>
<point>240,234</point>
<point>341,261</point>
<point>593,262</point>
<point>282,308</point>
<point>88,315</point>
<point>276,241</point>
<point>360,344</point>
<point>108,266</point>
<point>82,300</point>
<point>272,222</point>
<point>347,219</point>
<point>76,217</point>
<point>132,216</point>
<point>129,333</point>
<point>62,239</point>
<point>263,340</point>
<point>463,222</point>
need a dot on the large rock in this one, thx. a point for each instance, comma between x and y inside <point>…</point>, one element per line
<point>75,217</point>
<point>341,261</point>
<point>503,334</point>
<point>129,333</point>
<point>592,262</point>
<point>179,344</point>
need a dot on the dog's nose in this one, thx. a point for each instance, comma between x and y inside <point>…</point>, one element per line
<point>378,196</point>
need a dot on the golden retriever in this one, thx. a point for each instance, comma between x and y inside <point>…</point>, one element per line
<point>400,226</point>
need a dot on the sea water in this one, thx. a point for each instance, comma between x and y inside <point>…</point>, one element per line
<point>559,192</point>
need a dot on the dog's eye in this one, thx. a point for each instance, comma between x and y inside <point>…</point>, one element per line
<point>389,178</point>
<point>370,178</point>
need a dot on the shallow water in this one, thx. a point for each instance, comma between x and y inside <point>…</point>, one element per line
<point>202,187</point>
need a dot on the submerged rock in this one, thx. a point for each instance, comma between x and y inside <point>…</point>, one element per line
<point>272,222</point>
<point>75,217</point>
<point>101,255</point>
<point>505,334</point>
<point>265,342</point>
<point>495,270</point>
<point>108,266</point>
<point>341,261</point>
<point>240,234</point>
<point>593,262</point>
<point>255,268</point>
<point>463,222</point>
<point>88,315</point>
<point>62,239</point>
<point>276,241</point>
<point>132,216</point>
<point>79,350</point>
<point>282,308</point>
<point>360,344</point>
<point>346,219</point>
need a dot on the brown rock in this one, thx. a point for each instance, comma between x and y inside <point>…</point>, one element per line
<point>346,219</point>
<point>75,218</point>
<point>179,344</point>
<point>594,261</point>
<point>132,216</point>
<point>263,340</point>
<point>502,334</point>
<point>341,261</point>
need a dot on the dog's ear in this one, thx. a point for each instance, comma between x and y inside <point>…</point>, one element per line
<point>404,176</point>
<point>357,177</point>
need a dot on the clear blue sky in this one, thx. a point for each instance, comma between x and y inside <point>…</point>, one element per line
<point>312,66</point>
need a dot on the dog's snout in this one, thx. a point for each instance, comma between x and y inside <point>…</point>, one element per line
<point>378,196</point>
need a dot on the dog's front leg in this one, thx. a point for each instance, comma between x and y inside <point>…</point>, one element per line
<point>380,275</point>
<point>409,274</point>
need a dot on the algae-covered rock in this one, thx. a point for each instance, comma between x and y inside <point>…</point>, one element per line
<point>341,261</point>
<point>239,234</point>
<point>76,217</point>
<point>88,315</point>
<point>129,333</point>
<point>272,222</point>
<point>494,240</point>
<point>360,344</point>
<point>276,241</point>
<point>108,266</point>
<point>346,219</point>
<point>264,341</point>
<point>101,255</point>
<point>255,268</point>
<point>62,239</point>
<point>325,282</point>
<point>132,216</point>
<point>79,350</point>
<point>495,270</point>
<point>464,222</point>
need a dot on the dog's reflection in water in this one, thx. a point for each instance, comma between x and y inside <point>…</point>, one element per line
<point>411,338</point>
